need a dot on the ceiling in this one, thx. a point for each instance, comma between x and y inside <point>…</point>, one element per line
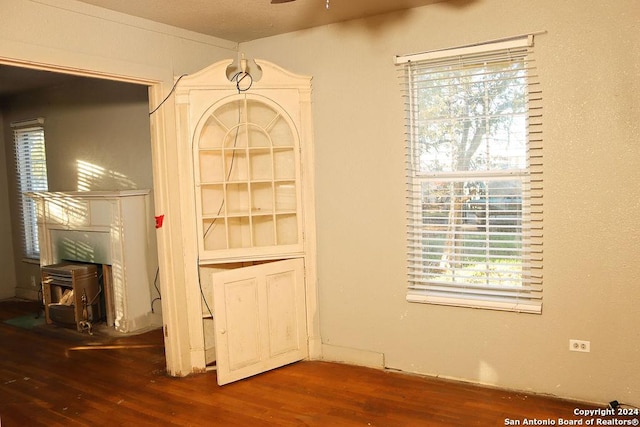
<point>245,20</point>
<point>233,20</point>
<point>16,80</point>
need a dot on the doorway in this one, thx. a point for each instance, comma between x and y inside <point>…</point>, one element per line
<point>99,137</point>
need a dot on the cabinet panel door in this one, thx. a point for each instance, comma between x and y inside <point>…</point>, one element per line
<point>259,318</point>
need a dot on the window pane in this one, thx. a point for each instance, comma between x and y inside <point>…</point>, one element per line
<point>474,237</point>
<point>471,120</point>
<point>31,171</point>
<point>472,231</point>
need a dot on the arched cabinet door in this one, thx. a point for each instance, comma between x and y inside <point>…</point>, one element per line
<point>247,175</point>
<point>246,145</point>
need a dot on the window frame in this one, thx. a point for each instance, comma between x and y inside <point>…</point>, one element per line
<point>31,175</point>
<point>527,296</point>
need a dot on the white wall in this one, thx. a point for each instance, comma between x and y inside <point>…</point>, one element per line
<point>589,65</point>
<point>96,133</point>
<point>97,138</point>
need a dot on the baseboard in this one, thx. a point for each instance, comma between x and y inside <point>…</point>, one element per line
<point>315,348</point>
<point>139,324</point>
<point>353,356</point>
<point>28,294</point>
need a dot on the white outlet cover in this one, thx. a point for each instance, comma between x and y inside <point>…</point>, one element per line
<point>580,346</point>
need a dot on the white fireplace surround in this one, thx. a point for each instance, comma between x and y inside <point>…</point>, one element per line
<point>111,228</point>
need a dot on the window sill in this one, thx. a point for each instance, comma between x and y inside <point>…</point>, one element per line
<point>515,306</point>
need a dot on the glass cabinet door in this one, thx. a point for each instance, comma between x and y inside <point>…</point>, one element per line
<point>247,179</point>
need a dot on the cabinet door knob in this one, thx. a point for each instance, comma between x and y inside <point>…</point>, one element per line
<point>223,331</point>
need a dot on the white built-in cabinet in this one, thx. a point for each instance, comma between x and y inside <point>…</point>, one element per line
<point>249,142</point>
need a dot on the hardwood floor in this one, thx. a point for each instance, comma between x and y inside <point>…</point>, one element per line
<point>61,377</point>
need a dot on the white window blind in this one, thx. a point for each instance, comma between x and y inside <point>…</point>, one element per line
<point>474,169</point>
<point>31,174</point>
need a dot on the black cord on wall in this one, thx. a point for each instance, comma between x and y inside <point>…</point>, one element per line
<point>168,95</point>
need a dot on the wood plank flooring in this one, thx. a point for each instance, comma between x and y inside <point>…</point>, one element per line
<point>69,379</point>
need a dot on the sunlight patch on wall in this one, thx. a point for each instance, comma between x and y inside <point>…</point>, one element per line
<point>488,374</point>
<point>66,211</point>
<point>83,246</point>
<point>92,177</point>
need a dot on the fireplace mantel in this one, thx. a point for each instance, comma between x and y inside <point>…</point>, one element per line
<point>111,228</point>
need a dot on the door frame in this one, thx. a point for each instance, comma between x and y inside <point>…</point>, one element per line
<point>163,141</point>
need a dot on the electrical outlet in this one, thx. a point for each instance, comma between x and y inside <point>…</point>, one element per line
<point>579,345</point>
<point>33,281</point>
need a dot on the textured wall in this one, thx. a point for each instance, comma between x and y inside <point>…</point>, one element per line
<point>589,64</point>
<point>96,136</point>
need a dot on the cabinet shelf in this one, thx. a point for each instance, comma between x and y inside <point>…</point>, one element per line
<point>252,214</point>
<point>253,182</point>
<point>218,150</point>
